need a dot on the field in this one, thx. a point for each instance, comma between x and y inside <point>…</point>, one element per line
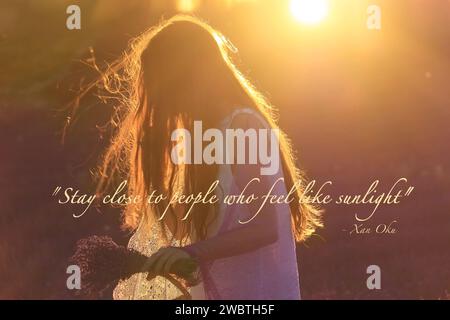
<point>356,112</point>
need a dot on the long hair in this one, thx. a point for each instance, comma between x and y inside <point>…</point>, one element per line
<point>174,73</point>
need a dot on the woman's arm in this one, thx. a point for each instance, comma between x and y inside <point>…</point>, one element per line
<point>263,229</point>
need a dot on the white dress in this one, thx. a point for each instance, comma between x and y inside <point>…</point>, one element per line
<point>268,271</point>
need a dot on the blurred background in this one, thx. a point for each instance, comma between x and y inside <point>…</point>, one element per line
<point>358,104</point>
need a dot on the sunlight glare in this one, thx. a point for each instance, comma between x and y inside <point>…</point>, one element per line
<point>186,5</point>
<point>309,12</point>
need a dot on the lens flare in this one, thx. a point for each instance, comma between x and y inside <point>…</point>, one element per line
<point>186,5</point>
<point>310,12</point>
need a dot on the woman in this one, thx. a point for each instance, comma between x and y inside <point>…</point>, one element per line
<point>172,75</point>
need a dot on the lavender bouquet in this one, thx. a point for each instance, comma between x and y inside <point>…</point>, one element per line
<point>103,263</point>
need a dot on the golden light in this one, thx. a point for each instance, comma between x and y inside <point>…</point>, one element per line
<point>186,5</point>
<point>309,12</point>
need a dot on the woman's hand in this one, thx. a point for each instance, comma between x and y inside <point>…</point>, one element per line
<point>163,260</point>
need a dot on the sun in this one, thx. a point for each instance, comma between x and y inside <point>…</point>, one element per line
<point>310,12</point>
